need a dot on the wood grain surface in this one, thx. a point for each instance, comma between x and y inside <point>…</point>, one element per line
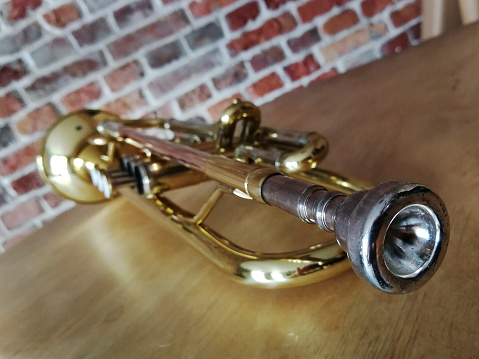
<point>107,282</point>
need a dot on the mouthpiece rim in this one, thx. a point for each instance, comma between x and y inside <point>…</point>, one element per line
<point>368,216</point>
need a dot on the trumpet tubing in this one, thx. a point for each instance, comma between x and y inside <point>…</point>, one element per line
<point>395,234</point>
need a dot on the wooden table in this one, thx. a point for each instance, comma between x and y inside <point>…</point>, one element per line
<point>106,282</point>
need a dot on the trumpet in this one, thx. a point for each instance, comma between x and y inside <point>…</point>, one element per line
<point>394,235</point>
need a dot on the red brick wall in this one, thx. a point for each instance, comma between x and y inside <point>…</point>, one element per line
<point>165,58</point>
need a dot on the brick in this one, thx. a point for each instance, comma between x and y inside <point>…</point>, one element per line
<point>194,69</point>
<point>217,109</point>
<point>340,22</point>
<point>205,7</point>
<point>47,85</point>
<point>53,199</point>
<point>360,60</point>
<point>133,13</point>
<point>125,105</point>
<point>27,183</point>
<point>160,29</point>
<point>302,68</point>
<point>373,7</point>
<point>313,8</point>
<point>78,99</point>
<point>17,239</point>
<point>57,49</point>
<point>264,86</point>
<point>397,44</point>
<point>6,136</point>
<point>11,72</point>
<point>15,10</point>
<point>241,16</point>
<point>123,76</point>
<point>204,36</point>
<point>353,41</point>
<point>305,41</point>
<point>63,15</point>
<point>269,30</point>
<point>165,54</point>
<point>231,77</point>
<point>267,58</point>
<point>92,33</point>
<point>19,159</point>
<point>10,104</point>
<point>16,42</point>
<point>23,213</point>
<point>406,14</point>
<point>4,197</point>
<point>274,4</point>
<point>194,97</point>
<point>415,32</point>
<point>94,5</point>
<point>326,75</point>
<point>38,120</point>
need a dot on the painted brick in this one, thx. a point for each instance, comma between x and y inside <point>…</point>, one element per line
<point>23,213</point>
<point>373,7</point>
<point>302,68</point>
<point>264,86</point>
<point>305,41</point>
<point>232,76</point>
<point>10,104</point>
<point>194,97</point>
<point>274,4</point>
<point>406,14</point>
<point>206,7</point>
<point>47,85</point>
<point>160,29</point>
<point>241,16</point>
<point>194,69</point>
<point>353,41</point>
<point>204,36</point>
<point>92,33</point>
<point>313,8</point>
<point>124,75</point>
<point>397,44</point>
<point>27,183</point>
<point>94,5</point>
<point>38,120</point>
<point>360,59</point>
<point>326,75</point>
<point>164,111</point>
<point>133,13</point>
<point>267,58</point>
<point>53,199</point>
<point>165,54</point>
<point>217,109</point>
<point>63,15</point>
<point>57,49</point>
<point>16,42</point>
<point>125,105</point>
<point>19,159</point>
<point>11,72</point>
<point>6,136</point>
<point>341,22</point>
<point>16,10</point>
<point>78,99</point>
<point>270,29</point>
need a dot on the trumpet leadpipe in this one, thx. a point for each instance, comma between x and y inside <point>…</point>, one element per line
<point>395,234</point>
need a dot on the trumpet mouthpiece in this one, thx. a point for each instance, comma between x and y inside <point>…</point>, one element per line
<point>395,234</point>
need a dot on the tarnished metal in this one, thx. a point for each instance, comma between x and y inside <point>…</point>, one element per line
<point>395,234</point>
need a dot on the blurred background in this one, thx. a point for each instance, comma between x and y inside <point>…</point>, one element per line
<point>166,58</point>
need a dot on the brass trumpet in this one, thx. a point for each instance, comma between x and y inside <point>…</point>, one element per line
<point>395,234</point>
